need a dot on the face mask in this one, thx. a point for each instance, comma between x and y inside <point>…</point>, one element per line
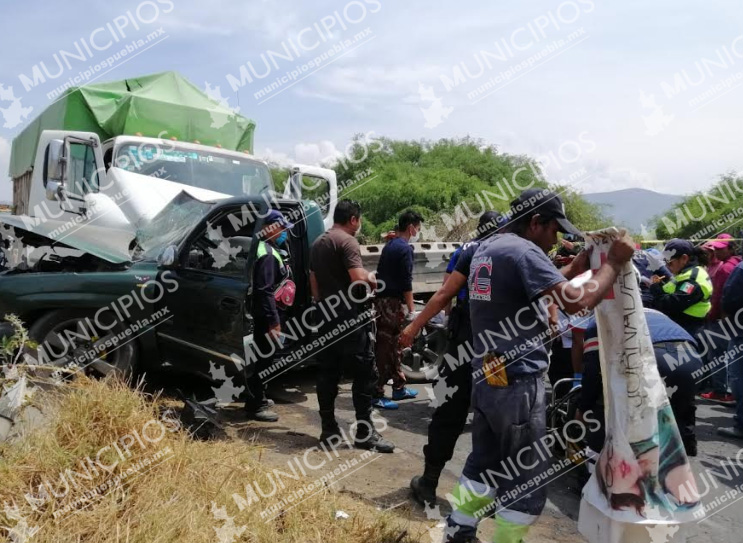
<point>416,237</point>
<point>282,238</point>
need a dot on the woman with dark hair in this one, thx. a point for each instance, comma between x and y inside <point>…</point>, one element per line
<point>685,297</point>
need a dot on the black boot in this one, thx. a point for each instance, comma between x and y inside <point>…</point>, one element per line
<point>690,444</point>
<point>262,414</point>
<point>424,486</point>
<point>330,428</point>
<point>368,438</point>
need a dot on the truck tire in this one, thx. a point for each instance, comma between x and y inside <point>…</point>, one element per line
<point>55,347</point>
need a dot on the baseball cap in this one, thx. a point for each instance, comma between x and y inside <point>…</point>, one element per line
<point>547,204</point>
<point>721,242</point>
<point>274,216</point>
<point>677,247</point>
<point>489,223</point>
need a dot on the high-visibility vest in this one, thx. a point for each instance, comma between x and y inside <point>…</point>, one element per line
<point>263,250</point>
<point>698,275</point>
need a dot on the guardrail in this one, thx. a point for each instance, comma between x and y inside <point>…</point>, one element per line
<point>429,263</point>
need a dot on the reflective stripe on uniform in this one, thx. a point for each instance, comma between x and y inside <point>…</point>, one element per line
<point>471,501</point>
<point>476,487</point>
<point>697,275</point>
<point>517,517</point>
<point>509,532</point>
<point>263,250</point>
<point>590,346</point>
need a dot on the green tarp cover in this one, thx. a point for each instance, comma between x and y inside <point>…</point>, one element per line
<point>148,105</point>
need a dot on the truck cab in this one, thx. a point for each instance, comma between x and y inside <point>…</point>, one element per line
<point>125,181</point>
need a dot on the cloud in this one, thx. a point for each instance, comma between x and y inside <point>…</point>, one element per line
<point>316,153</point>
<point>321,153</point>
<point>6,186</point>
<point>270,20</point>
<point>605,178</point>
<point>372,84</point>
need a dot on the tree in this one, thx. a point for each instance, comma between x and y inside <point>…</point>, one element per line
<point>451,182</point>
<point>703,215</point>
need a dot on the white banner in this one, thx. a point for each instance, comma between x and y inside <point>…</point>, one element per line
<point>642,474</point>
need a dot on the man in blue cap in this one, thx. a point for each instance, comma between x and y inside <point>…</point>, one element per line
<point>268,273</point>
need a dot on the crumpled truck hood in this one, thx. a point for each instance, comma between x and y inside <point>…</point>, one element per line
<point>109,244</point>
<point>142,197</point>
<point>129,201</point>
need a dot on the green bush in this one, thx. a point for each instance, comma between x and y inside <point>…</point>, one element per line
<point>696,215</point>
<point>449,181</point>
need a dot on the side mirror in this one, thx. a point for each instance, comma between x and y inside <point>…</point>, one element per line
<point>55,161</point>
<point>167,257</point>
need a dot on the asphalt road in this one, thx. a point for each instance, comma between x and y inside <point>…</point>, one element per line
<point>384,479</point>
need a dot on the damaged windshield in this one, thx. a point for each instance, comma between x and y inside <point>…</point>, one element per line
<point>171,225</point>
<point>202,169</point>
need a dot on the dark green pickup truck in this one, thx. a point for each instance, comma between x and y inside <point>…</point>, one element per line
<point>183,298</point>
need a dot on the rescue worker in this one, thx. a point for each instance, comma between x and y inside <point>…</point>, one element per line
<point>685,297</point>
<point>511,283</point>
<point>393,306</point>
<point>455,373</point>
<point>336,276</point>
<point>268,273</point>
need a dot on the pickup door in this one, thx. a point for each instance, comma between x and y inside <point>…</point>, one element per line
<point>314,183</point>
<point>209,308</point>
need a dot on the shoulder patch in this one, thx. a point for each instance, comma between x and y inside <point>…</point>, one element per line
<point>686,287</point>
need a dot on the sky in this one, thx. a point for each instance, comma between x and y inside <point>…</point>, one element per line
<point>607,97</point>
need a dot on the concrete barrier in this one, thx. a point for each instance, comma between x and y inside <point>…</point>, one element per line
<point>429,263</point>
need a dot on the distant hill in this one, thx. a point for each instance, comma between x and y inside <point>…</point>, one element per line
<point>632,208</point>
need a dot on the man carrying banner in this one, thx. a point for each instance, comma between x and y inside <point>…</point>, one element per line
<point>511,283</point>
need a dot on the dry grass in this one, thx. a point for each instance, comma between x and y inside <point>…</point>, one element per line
<point>169,500</point>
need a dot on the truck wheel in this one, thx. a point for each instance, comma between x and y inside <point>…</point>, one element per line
<point>72,338</point>
<point>420,363</point>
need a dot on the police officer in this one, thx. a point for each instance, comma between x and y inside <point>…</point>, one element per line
<point>455,373</point>
<point>511,283</point>
<point>268,273</point>
<point>685,297</point>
